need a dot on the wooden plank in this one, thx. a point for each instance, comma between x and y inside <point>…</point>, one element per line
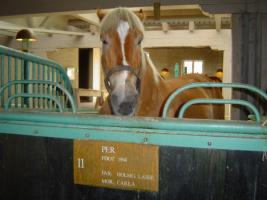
<point>89,92</point>
<point>190,173</point>
<point>42,168</point>
<point>81,92</point>
<point>262,180</point>
<point>242,175</point>
<point>38,168</point>
<point>3,166</point>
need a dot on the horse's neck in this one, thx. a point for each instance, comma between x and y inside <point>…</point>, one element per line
<point>149,70</point>
<point>150,74</point>
<point>150,86</point>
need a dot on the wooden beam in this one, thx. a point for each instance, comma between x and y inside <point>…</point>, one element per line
<point>218,22</point>
<point>191,26</point>
<point>7,33</point>
<point>165,27</point>
<point>43,22</point>
<point>53,31</point>
<point>90,18</point>
<point>175,13</point>
<point>181,38</point>
<point>13,27</point>
<point>89,92</point>
<point>174,38</point>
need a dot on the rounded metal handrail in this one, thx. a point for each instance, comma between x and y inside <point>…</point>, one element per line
<point>66,92</point>
<point>213,85</point>
<point>219,101</point>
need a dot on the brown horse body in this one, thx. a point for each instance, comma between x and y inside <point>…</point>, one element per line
<point>135,86</point>
<point>155,91</point>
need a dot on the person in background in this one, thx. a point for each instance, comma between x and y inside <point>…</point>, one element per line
<point>217,77</point>
<point>165,73</point>
<point>219,74</point>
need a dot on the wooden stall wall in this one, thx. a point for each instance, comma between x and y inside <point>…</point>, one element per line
<point>42,168</point>
<point>249,54</point>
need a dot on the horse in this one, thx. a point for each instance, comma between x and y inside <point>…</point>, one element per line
<point>134,85</point>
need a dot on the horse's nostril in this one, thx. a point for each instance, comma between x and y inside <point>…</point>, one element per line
<point>126,108</point>
<point>114,99</point>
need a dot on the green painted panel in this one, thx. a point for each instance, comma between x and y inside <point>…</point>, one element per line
<point>246,136</point>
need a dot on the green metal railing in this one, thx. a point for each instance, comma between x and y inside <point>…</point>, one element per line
<point>60,102</point>
<point>247,87</point>
<point>193,133</point>
<point>23,83</point>
<point>220,101</point>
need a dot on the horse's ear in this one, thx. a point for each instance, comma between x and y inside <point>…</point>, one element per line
<point>140,14</point>
<point>100,14</point>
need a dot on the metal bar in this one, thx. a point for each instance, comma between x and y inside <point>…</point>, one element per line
<point>170,126</point>
<point>27,86</point>
<point>43,88</point>
<point>224,142</point>
<point>179,133</point>
<point>32,96</point>
<point>22,78</point>
<point>34,86</point>
<point>2,77</point>
<point>28,56</point>
<point>53,88</point>
<point>9,66</point>
<point>63,83</point>
<point>33,58</point>
<point>219,101</point>
<point>210,85</point>
<point>49,88</point>
<point>62,89</point>
<point>16,78</point>
<point>25,58</point>
<point>38,86</point>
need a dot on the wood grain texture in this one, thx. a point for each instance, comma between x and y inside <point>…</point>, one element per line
<point>42,168</point>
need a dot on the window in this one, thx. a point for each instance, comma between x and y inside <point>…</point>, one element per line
<point>193,66</point>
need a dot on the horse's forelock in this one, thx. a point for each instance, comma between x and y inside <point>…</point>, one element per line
<point>113,19</point>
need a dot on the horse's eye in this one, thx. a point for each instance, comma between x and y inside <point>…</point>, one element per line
<point>105,42</point>
<point>109,83</point>
<point>139,42</point>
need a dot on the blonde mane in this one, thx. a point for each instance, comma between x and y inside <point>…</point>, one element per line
<point>147,61</point>
<point>113,19</point>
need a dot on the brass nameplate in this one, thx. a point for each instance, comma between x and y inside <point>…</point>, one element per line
<point>116,165</point>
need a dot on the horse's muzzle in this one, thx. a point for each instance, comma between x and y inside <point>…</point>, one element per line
<point>126,107</point>
<point>123,93</point>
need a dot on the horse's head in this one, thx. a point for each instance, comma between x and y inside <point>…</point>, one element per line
<point>121,34</point>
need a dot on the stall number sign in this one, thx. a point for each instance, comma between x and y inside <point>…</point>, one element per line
<point>116,165</point>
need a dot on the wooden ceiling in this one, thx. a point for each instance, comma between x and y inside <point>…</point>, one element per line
<point>184,17</point>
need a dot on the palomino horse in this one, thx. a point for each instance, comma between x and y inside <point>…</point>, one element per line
<point>134,85</point>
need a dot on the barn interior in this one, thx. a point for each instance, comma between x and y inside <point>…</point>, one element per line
<point>56,147</point>
<point>180,37</point>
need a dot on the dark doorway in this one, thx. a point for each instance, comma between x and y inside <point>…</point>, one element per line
<point>85,70</point>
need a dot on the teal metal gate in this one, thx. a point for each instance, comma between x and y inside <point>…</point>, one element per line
<point>33,83</point>
<point>199,159</point>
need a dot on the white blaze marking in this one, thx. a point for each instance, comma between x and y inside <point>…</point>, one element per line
<point>119,81</point>
<point>123,31</point>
